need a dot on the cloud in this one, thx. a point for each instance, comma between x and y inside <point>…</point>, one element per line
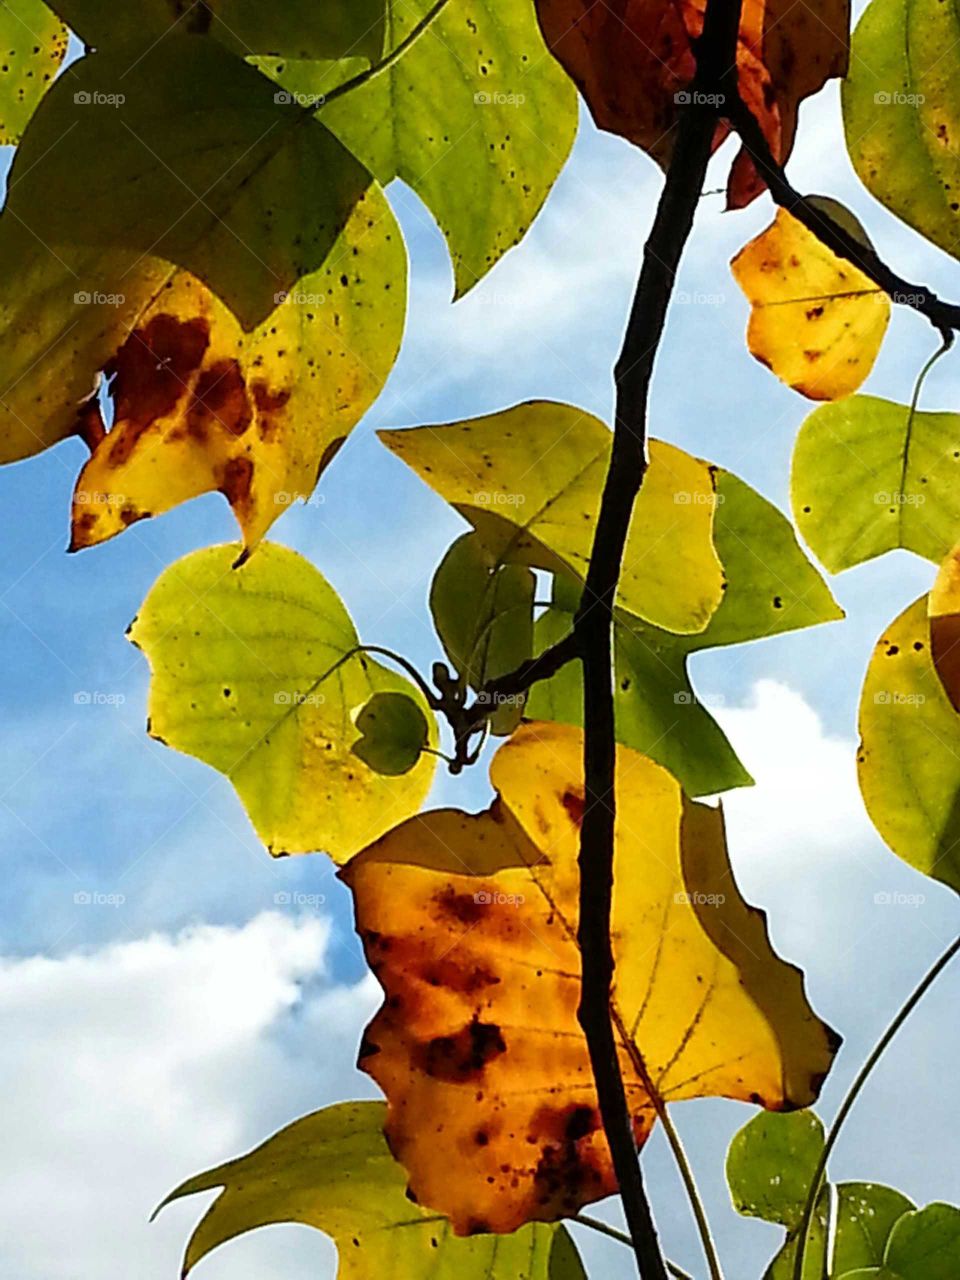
<point>132,1066</point>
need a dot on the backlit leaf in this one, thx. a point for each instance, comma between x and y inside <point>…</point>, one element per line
<point>866,480</point>
<point>634,64</point>
<point>332,1170</point>
<point>529,480</point>
<point>483,612</point>
<point>909,757</point>
<point>924,1245</point>
<point>393,734</point>
<point>943,610</point>
<point>251,673</point>
<point>294,28</point>
<point>483,152</point>
<point>191,160</point>
<point>34,42</point>
<point>816,320</point>
<point>771,588</point>
<point>199,405</point>
<point>469,922</point>
<point>901,113</point>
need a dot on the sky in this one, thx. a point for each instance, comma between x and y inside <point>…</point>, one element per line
<point>169,995</point>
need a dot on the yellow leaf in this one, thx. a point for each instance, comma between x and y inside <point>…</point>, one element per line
<point>943,609</point>
<point>469,922</point>
<point>201,406</point>
<point>816,320</point>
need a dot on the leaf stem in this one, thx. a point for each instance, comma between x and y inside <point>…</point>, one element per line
<point>853,1093</point>
<point>395,54</point>
<point>716,64</point>
<point>604,1229</point>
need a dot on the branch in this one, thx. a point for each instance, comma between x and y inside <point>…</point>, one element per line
<point>944,316</point>
<point>716,67</point>
<point>395,54</point>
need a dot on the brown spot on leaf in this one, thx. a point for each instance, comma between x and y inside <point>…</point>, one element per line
<point>462,1057</point>
<point>236,481</point>
<point>219,401</point>
<point>269,405</point>
<point>149,375</point>
<point>574,803</point>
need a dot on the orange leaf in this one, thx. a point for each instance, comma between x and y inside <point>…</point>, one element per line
<point>633,61</point>
<point>469,922</point>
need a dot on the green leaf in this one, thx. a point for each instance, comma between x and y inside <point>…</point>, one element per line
<point>865,481</point>
<point>909,757</point>
<point>866,1215</point>
<point>529,480</point>
<point>34,43</point>
<point>254,672</point>
<point>924,1245</point>
<point>295,28</point>
<point>771,1163</point>
<point>901,113</point>
<point>476,116</point>
<point>191,160</point>
<point>393,734</point>
<point>332,1170</point>
<point>483,613</point>
<point>771,588</point>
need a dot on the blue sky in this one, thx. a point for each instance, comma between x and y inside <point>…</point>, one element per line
<point>149,1038</point>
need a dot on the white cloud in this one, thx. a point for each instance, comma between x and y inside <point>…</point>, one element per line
<point>128,1068</point>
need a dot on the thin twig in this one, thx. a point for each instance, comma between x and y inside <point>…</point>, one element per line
<point>853,1092</point>
<point>944,316</point>
<point>395,54</point>
<point>604,1229</point>
<point>716,65</point>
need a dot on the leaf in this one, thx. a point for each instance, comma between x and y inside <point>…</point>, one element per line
<point>469,922</point>
<point>901,113</point>
<point>816,320</point>
<point>34,44</point>
<point>332,1170</point>
<point>770,1166</point>
<point>529,480</point>
<point>866,480</point>
<point>924,1245</point>
<point>295,28</point>
<point>483,613</point>
<point>634,64</point>
<point>199,405</point>
<point>909,757</point>
<point>393,734</point>
<point>482,154</point>
<point>253,672</point>
<point>771,588</point>
<point>943,610</point>
<point>191,160</point>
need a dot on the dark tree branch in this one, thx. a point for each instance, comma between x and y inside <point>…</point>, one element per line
<point>944,316</point>
<point>715,80</point>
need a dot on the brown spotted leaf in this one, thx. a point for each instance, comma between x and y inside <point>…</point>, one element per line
<point>199,405</point>
<point>634,63</point>
<point>469,922</point>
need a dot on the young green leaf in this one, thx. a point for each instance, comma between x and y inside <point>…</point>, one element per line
<point>332,1170</point>
<point>529,480</point>
<point>771,588</point>
<point>255,671</point>
<point>816,320</point>
<point>866,480</point>
<point>193,160</point>
<point>909,757</point>
<point>924,1245</point>
<point>34,43</point>
<point>901,113</point>
<point>393,734</point>
<point>483,613</point>
<point>470,921</point>
<point>483,152</point>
